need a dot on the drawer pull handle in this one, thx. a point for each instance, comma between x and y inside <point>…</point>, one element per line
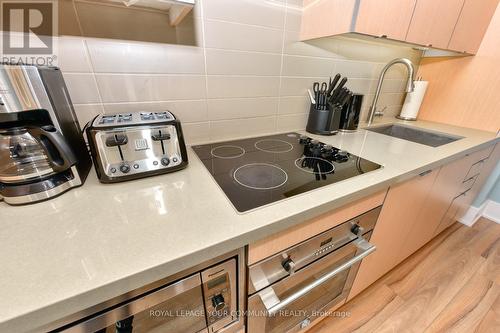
<point>273,304</point>
<point>425,173</point>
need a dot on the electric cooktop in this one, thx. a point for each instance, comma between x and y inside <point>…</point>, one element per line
<point>259,171</point>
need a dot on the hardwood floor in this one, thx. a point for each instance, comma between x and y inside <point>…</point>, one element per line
<point>452,284</point>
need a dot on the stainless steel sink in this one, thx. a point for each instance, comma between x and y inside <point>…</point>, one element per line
<point>428,138</point>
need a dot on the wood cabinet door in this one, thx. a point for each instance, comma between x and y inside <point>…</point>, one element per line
<point>449,216</point>
<point>389,18</point>
<point>444,189</point>
<point>433,22</point>
<point>401,207</point>
<point>415,211</point>
<point>472,25</point>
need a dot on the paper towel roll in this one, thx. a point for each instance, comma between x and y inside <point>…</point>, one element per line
<point>413,101</point>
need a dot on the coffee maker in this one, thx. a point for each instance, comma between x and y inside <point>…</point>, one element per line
<point>42,150</point>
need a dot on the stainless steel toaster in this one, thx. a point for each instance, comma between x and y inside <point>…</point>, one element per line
<point>134,145</point>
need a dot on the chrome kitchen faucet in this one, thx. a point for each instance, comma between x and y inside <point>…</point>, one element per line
<point>409,84</point>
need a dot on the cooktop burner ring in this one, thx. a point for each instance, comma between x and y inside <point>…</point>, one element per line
<point>255,171</point>
<point>299,161</point>
<point>239,154</point>
<point>287,146</point>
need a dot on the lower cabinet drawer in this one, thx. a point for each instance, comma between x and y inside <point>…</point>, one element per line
<point>477,160</point>
<point>450,216</point>
<point>467,184</point>
<point>474,170</point>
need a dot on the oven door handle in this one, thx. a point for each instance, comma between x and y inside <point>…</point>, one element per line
<point>273,304</point>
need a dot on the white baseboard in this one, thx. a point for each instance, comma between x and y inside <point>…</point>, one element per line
<point>472,215</point>
<point>492,211</point>
<point>489,209</point>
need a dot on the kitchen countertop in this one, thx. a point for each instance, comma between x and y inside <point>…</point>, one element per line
<point>100,241</point>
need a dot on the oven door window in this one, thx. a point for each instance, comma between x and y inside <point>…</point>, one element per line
<point>321,298</point>
<point>176,308</point>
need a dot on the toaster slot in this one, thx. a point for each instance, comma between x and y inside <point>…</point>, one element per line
<point>159,136</point>
<point>116,140</point>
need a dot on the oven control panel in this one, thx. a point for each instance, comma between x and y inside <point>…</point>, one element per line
<point>216,301</point>
<point>219,288</point>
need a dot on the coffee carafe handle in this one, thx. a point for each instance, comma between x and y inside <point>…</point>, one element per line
<point>60,156</point>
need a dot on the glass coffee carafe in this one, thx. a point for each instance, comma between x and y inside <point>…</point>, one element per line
<point>42,150</point>
<point>28,153</point>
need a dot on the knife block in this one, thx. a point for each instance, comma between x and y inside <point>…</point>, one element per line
<point>323,122</point>
<point>349,119</point>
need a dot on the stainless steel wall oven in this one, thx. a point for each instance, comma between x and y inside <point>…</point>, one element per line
<point>291,289</point>
<point>207,298</point>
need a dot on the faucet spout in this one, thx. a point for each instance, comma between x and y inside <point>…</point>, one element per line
<point>410,86</point>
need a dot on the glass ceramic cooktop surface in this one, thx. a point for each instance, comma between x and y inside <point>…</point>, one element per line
<point>259,171</point>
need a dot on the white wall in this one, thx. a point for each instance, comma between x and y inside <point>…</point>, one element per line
<point>247,76</point>
<point>491,189</point>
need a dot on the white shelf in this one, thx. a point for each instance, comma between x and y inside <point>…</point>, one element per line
<point>177,9</point>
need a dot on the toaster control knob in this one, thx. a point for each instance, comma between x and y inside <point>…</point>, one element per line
<point>218,302</point>
<point>125,168</point>
<point>165,161</point>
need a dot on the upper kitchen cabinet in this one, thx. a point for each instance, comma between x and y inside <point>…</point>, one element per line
<point>388,18</point>
<point>472,25</point>
<point>433,22</point>
<point>454,25</point>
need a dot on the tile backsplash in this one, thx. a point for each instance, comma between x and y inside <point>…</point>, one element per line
<point>247,75</point>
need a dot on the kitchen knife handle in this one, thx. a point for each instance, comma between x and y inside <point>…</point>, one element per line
<point>337,90</point>
<point>333,84</point>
